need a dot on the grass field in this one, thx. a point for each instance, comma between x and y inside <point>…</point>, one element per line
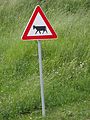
<point>66,62</point>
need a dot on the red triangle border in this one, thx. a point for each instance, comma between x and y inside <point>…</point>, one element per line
<point>29,25</point>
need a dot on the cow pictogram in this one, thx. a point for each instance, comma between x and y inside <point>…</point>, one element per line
<point>40,29</point>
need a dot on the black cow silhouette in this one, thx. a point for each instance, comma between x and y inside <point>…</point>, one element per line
<point>40,28</point>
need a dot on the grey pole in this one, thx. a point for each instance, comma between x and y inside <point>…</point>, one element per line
<point>41,78</point>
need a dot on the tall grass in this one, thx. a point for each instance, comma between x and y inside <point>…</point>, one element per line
<point>66,61</point>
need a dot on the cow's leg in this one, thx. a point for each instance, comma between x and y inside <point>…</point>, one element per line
<point>36,32</point>
<point>43,32</point>
<point>39,32</point>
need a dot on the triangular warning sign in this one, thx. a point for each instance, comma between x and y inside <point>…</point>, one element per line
<point>38,27</point>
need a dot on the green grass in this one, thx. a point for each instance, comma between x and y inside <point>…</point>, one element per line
<point>78,111</point>
<point>66,62</point>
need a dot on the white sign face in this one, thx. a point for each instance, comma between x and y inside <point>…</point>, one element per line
<point>37,24</point>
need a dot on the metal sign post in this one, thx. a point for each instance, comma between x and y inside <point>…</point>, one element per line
<point>41,78</point>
